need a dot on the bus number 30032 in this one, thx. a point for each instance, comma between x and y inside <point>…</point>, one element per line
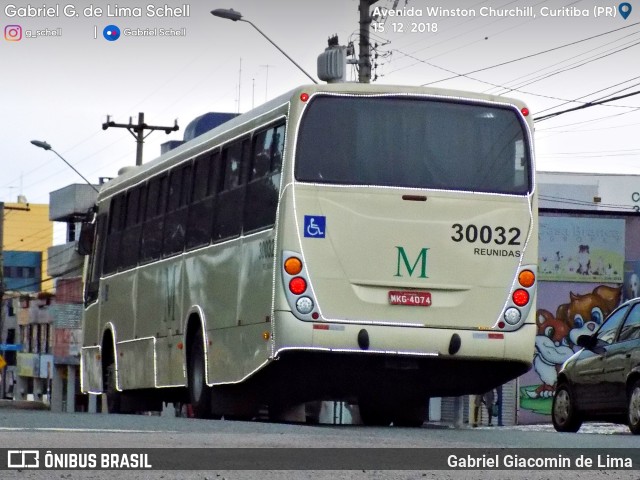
<point>486,234</point>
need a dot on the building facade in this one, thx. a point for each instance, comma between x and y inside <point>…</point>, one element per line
<point>27,233</point>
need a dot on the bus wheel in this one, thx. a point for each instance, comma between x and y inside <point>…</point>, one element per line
<point>374,413</point>
<point>199,391</point>
<point>410,416</point>
<point>113,395</point>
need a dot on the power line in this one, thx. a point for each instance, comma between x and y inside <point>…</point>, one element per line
<point>587,105</point>
<point>590,121</point>
<point>575,201</point>
<point>571,67</point>
<point>534,54</point>
<point>597,91</point>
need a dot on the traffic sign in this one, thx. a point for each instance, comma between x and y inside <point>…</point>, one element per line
<point>10,347</point>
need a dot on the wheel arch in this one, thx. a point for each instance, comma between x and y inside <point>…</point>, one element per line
<point>195,322</point>
<point>562,378</point>
<point>108,350</point>
<point>633,377</point>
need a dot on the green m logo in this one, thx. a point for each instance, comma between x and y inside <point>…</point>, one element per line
<point>404,260</point>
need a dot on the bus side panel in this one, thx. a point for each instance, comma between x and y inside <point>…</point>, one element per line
<point>158,304</point>
<point>211,282</point>
<point>91,370</point>
<point>235,353</point>
<point>91,331</point>
<point>170,362</point>
<point>136,364</point>
<point>256,279</point>
<point>117,303</point>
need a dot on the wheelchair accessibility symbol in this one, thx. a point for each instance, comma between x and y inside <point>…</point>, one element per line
<point>315,226</point>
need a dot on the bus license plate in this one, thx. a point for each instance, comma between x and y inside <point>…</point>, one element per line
<point>416,299</point>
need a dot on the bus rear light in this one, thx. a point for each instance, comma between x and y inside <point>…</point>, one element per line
<point>520,297</point>
<point>527,278</point>
<point>298,285</point>
<point>304,305</point>
<point>525,111</point>
<point>512,316</point>
<point>293,265</point>
<point>304,97</point>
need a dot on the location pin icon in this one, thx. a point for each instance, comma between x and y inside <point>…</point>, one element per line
<point>624,9</point>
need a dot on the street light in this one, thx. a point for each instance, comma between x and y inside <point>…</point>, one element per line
<point>46,146</point>
<point>231,14</point>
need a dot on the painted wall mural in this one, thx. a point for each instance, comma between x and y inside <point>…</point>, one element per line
<point>631,280</point>
<point>565,311</point>
<point>587,266</point>
<point>582,249</point>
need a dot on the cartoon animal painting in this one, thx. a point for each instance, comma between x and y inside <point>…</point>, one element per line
<point>584,260</point>
<point>557,335</point>
<point>550,353</point>
<point>586,312</point>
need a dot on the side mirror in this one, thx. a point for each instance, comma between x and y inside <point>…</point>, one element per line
<point>590,342</point>
<point>586,341</point>
<point>85,243</point>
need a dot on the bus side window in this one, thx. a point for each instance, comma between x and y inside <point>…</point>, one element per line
<point>230,200</point>
<point>200,215</point>
<point>264,182</point>
<point>151,245</point>
<point>176,218</point>
<point>261,154</point>
<point>130,244</point>
<point>277,147</point>
<point>114,234</point>
<point>96,260</point>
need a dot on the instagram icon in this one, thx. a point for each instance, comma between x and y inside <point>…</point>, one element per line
<point>13,33</point>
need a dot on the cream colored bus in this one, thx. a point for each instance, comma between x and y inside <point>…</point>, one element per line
<point>365,243</point>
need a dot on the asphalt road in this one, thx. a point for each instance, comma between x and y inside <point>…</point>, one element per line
<point>28,429</point>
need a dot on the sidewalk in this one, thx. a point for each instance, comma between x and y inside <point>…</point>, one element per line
<point>23,404</point>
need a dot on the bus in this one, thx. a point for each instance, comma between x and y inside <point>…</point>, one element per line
<point>370,244</point>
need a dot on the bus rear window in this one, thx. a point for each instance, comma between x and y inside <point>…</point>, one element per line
<point>414,143</point>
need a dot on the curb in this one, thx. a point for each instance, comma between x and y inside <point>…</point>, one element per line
<point>24,405</point>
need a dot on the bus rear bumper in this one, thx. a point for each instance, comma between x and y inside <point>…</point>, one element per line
<point>493,356</point>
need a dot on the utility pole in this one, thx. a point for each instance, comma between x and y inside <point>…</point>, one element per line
<point>138,131</point>
<point>364,61</point>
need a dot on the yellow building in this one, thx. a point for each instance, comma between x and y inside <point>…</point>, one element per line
<point>27,228</point>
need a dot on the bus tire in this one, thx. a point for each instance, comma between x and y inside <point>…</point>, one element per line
<point>375,414</point>
<point>199,391</point>
<point>410,416</point>
<point>114,397</point>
